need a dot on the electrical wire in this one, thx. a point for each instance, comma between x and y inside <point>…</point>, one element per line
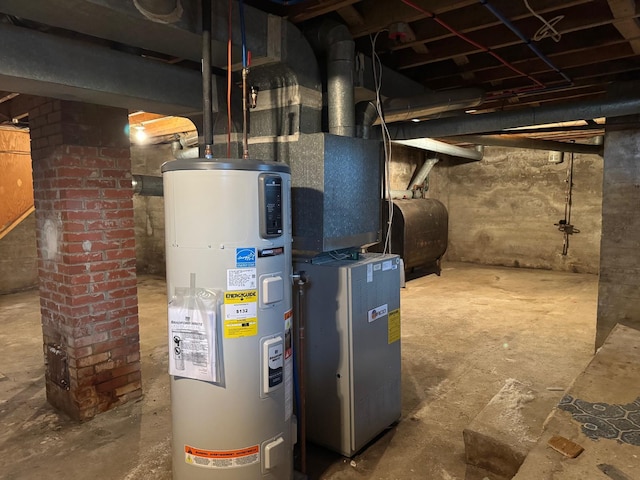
<point>386,140</point>
<point>509,24</point>
<point>548,27</point>
<point>473,42</point>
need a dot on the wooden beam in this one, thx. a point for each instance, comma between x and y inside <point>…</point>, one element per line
<point>156,127</point>
<point>474,19</point>
<point>379,15</point>
<point>351,16</point>
<point>320,7</point>
<point>570,59</point>
<point>498,37</point>
<point>624,12</point>
<point>18,106</point>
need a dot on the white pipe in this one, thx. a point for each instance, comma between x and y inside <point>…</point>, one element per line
<point>441,147</point>
<point>422,174</point>
<point>401,194</point>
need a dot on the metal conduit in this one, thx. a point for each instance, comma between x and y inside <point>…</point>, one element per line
<point>497,121</point>
<point>500,16</point>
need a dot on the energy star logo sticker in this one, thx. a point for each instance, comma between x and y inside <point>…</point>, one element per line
<point>245,257</point>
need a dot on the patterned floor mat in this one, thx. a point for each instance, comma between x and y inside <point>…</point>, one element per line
<point>601,420</point>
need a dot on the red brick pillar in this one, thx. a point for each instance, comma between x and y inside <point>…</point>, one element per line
<point>86,255</point>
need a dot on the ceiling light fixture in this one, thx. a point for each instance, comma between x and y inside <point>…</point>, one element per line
<point>140,135</point>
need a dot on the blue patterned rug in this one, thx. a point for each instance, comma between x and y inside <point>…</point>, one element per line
<point>601,420</point>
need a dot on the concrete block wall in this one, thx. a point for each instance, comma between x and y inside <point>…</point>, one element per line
<point>86,256</point>
<point>149,211</point>
<point>18,257</point>
<point>619,288</point>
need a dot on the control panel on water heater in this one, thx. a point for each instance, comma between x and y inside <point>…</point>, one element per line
<point>270,187</point>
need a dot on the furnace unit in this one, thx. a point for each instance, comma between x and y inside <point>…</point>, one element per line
<point>352,359</point>
<point>228,248</point>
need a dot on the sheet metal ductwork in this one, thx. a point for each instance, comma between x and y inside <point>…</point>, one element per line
<point>417,106</point>
<point>334,40</point>
<point>161,11</point>
<point>147,185</point>
<point>624,102</point>
<point>432,103</point>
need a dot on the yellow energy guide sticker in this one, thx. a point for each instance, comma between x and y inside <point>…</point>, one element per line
<point>394,326</point>
<point>240,313</point>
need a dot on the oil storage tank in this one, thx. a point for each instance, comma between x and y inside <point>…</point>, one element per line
<point>419,232</point>
<point>228,248</point>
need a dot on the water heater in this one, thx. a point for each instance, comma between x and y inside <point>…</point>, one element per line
<point>228,249</point>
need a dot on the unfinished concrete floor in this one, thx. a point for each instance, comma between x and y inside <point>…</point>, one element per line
<point>464,334</point>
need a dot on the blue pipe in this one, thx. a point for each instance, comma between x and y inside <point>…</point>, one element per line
<point>500,16</point>
<point>244,34</point>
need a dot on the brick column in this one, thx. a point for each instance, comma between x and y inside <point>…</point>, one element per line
<point>619,287</point>
<point>86,255</point>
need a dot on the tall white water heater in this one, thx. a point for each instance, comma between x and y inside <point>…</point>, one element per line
<point>228,249</point>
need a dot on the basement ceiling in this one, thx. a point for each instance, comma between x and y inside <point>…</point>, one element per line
<point>522,53</point>
<point>584,44</point>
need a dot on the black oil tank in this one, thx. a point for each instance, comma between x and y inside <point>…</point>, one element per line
<point>419,232</point>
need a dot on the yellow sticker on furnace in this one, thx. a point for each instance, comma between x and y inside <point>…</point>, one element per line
<point>394,326</point>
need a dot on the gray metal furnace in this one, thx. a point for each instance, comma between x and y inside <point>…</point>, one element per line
<point>352,353</point>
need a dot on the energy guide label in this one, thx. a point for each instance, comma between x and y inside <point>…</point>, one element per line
<point>221,458</point>
<point>240,313</point>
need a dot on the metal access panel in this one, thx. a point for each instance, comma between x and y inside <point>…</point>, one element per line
<point>352,350</point>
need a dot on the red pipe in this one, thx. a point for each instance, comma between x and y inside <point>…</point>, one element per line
<point>473,42</point>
